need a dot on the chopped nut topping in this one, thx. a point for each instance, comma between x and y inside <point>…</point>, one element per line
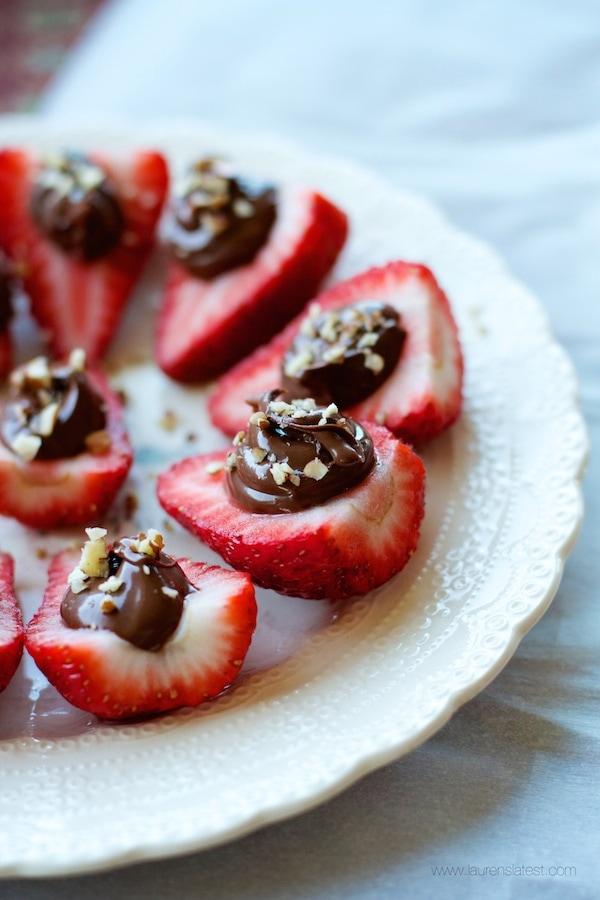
<point>243,208</point>
<point>278,473</point>
<point>77,580</point>
<point>94,554</point>
<point>150,543</point>
<point>146,569</point>
<point>298,363</point>
<point>239,438</point>
<point>43,424</point>
<point>259,454</point>
<point>368,340</point>
<point>315,469</point>
<point>169,420</point>
<point>108,605</point>
<point>331,410</point>
<point>213,467</point>
<point>77,359</point>
<point>111,585</point>
<point>375,362</point>
<point>258,418</point>
<point>26,446</point>
<point>230,462</point>
<point>37,371</point>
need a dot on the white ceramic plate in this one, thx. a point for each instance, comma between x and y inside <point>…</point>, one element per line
<point>324,698</point>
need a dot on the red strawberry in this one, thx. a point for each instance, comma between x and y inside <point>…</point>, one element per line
<point>6,356</point>
<point>420,398</point>
<point>106,675</point>
<point>11,624</point>
<point>347,546</point>
<point>49,493</point>
<point>206,326</point>
<point>80,303</point>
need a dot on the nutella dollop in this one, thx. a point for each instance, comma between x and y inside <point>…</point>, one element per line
<point>295,455</point>
<point>74,203</point>
<point>139,593</point>
<point>219,221</point>
<point>52,411</point>
<point>7,287</point>
<point>343,355</point>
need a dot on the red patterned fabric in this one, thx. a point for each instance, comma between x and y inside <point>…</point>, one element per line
<point>34,36</point>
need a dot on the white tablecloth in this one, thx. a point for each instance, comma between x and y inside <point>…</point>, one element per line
<point>493,110</point>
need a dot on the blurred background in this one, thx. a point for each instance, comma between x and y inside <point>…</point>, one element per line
<point>493,111</point>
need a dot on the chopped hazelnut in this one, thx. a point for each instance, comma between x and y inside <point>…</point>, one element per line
<point>108,605</point>
<point>278,473</point>
<point>26,446</point>
<point>258,418</point>
<point>230,462</point>
<point>111,585</point>
<point>94,561</point>
<point>374,362</point>
<point>43,424</point>
<point>77,359</point>
<point>213,467</point>
<point>239,438</point>
<point>169,420</point>
<point>259,454</point>
<point>368,340</point>
<point>77,580</point>
<point>315,469</point>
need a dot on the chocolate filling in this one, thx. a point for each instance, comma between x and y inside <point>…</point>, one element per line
<point>295,455</point>
<point>142,613</point>
<point>60,408</point>
<point>219,222</point>
<point>343,355</point>
<point>77,207</point>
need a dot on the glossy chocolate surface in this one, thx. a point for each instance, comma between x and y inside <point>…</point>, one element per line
<point>343,355</point>
<point>140,611</point>
<point>75,205</point>
<point>219,221</point>
<point>61,408</point>
<point>295,455</point>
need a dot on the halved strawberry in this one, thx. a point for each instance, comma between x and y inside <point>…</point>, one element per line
<point>6,354</point>
<point>100,672</point>
<point>422,395</point>
<point>70,491</point>
<point>206,326</point>
<point>11,624</point>
<point>80,303</point>
<point>346,546</point>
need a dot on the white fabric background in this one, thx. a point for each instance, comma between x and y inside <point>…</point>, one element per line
<point>493,110</point>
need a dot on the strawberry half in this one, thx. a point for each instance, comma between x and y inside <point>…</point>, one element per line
<point>206,326</point>
<point>346,546</point>
<point>70,491</point>
<point>80,303</point>
<point>106,675</point>
<point>11,624</point>
<point>422,395</point>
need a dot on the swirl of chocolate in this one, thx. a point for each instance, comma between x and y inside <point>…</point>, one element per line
<point>7,287</point>
<point>218,221</point>
<point>146,607</point>
<point>51,407</point>
<point>77,207</point>
<point>343,355</point>
<point>296,455</point>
